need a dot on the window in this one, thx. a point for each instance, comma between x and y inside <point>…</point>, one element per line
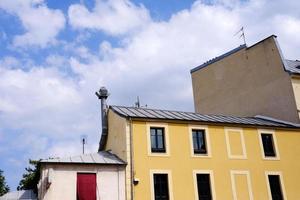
<point>203,186</point>
<point>161,188</point>
<point>275,187</point>
<point>86,186</point>
<point>157,135</point>
<point>199,143</point>
<point>268,144</point>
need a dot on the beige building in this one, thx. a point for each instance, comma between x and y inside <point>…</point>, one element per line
<point>90,176</point>
<point>249,81</point>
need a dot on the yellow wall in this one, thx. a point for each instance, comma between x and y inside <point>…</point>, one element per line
<point>118,142</point>
<point>181,164</point>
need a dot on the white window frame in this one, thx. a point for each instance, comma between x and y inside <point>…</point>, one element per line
<point>207,141</point>
<point>275,146</point>
<point>233,184</point>
<point>166,135</point>
<point>267,173</point>
<point>160,171</point>
<point>229,153</point>
<point>212,182</point>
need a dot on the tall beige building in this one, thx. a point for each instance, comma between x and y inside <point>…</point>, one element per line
<point>249,81</point>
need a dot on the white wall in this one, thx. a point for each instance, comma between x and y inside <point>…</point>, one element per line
<point>110,181</point>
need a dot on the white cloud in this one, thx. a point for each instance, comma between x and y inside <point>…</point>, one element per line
<point>113,16</point>
<point>40,23</point>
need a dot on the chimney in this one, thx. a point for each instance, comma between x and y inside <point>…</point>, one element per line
<point>102,95</point>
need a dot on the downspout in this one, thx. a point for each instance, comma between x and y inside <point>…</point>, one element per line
<point>131,159</point>
<point>102,95</point>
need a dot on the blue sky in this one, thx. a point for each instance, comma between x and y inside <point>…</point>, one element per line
<point>54,55</point>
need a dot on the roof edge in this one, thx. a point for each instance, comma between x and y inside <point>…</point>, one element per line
<point>277,120</point>
<point>232,52</point>
<point>218,58</point>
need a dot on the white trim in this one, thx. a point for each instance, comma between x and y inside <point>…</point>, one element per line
<point>229,153</point>
<point>207,141</point>
<point>159,171</point>
<point>166,135</point>
<point>281,183</point>
<point>212,182</point>
<point>261,131</point>
<point>233,184</point>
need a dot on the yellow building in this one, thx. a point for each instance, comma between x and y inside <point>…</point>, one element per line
<point>248,81</point>
<point>175,155</point>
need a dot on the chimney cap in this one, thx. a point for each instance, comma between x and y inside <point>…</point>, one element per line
<point>103,93</point>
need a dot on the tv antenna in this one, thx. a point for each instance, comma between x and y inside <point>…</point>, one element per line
<point>137,103</point>
<point>241,33</point>
<point>83,140</point>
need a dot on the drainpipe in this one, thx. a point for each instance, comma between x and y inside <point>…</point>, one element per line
<point>102,95</point>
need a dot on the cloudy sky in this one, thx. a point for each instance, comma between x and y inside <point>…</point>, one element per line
<point>54,55</point>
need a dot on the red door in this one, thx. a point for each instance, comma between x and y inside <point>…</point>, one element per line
<point>86,186</point>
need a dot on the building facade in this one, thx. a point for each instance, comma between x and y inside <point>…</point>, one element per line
<point>249,81</point>
<point>90,176</point>
<point>179,155</point>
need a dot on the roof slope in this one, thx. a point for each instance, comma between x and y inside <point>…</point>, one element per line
<point>293,66</point>
<point>102,157</point>
<point>146,113</point>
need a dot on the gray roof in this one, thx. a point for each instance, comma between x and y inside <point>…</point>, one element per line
<point>156,114</point>
<point>22,194</point>
<point>102,157</point>
<point>293,66</point>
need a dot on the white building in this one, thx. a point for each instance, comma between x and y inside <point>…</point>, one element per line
<point>89,176</point>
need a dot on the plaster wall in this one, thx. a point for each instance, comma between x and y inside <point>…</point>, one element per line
<point>250,82</point>
<point>110,181</point>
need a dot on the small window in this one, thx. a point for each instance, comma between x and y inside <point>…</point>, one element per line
<point>161,187</point>
<point>268,144</point>
<point>203,186</point>
<point>199,143</point>
<point>157,140</point>
<point>275,187</point>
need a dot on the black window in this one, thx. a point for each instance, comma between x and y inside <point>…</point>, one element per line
<point>268,145</point>
<point>275,187</point>
<point>203,185</point>
<point>199,143</point>
<point>157,139</point>
<point>161,188</point>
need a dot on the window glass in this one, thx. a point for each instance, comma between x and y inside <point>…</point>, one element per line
<point>203,186</point>
<point>199,143</point>
<point>268,145</point>
<point>157,139</point>
<point>275,187</point>
<point>161,188</point>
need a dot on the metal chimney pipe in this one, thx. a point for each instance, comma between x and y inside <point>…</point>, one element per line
<point>102,95</point>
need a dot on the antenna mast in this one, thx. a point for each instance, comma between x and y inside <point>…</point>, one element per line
<point>242,34</point>
<point>83,141</point>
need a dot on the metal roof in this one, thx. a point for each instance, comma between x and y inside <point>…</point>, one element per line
<point>19,195</point>
<point>293,66</point>
<point>102,157</point>
<point>156,114</point>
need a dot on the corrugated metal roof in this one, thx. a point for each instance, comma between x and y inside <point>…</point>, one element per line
<point>146,113</point>
<point>19,195</point>
<point>102,157</point>
<point>293,66</point>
